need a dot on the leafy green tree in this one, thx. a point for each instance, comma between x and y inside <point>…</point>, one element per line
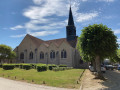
<point>116,58</point>
<point>6,53</point>
<point>11,56</point>
<point>96,43</point>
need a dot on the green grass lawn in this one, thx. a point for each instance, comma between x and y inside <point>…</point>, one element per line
<point>66,79</point>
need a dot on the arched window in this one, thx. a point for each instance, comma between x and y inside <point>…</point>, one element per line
<point>41,55</point>
<point>22,55</point>
<point>52,54</point>
<point>63,54</point>
<point>31,55</point>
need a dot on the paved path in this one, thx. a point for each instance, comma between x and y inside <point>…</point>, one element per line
<point>112,82</point>
<point>6,84</point>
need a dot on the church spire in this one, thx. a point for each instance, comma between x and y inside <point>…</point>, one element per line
<point>70,20</point>
<point>70,28</point>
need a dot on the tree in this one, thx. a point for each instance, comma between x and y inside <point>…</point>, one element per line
<point>11,56</point>
<point>6,53</point>
<point>96,43</point>
<point>116,58</point>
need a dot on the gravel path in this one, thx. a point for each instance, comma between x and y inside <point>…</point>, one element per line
<point>89,83</point>
<point>6,84</point>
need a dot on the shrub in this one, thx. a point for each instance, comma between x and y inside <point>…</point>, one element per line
<point>20,66</point>
<point>0,65</point>
<point>17,65</point>
<point>26,67</point>
<point>41,68</point>
<point>61,68</point>
<point>51,66</point>
<point>8,67</point>
<point>62,65</point>
<point>33,66</point>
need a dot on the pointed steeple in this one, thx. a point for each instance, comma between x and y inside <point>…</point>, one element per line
<point>70,28</point>
<point>70,20</point>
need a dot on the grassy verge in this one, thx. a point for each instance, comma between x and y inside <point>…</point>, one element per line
<point>65,79</point>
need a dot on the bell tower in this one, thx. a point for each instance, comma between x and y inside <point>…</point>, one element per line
<point>70,28</point>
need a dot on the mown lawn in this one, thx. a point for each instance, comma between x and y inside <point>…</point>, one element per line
<point>65,79</point>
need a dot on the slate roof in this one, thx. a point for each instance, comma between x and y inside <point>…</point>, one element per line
<point>57,42</point>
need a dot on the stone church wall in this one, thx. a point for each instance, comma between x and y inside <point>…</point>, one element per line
<point>27,46</point>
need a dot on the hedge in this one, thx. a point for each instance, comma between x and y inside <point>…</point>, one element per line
<point>33,66</point>
<point>62,68</point>
<point>42,68</point>
<point>8,67</point>
<point>62,65</point>
<point>0,65</point>
<point>39,67</point>
<point>51,66</point>
<point>17,65</point>
<point>26,67</point>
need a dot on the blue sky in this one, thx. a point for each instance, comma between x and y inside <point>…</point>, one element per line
<point>47,19</point>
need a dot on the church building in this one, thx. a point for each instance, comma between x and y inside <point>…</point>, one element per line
<point>57,51</point>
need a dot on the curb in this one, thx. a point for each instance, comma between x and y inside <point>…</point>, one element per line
<point>81,86</point>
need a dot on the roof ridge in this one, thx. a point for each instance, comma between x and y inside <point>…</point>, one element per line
<point>55,39</point>
<point>37,41</point>
<point>34,37</point>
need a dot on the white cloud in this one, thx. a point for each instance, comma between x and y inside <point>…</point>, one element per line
<point>34,25</point>
<point>118,43</point>
<point>117,31</point>
<point>38,1</point>
<point>108,17</point>
<point>107,0</point>
<point>118,39</point>
<point>18,36</point>
<point>17,27</point>
<point>41,33</point>
<point>44,33</point>
<point>99,0</point>
<point>58,8</point>
<point>86,16</point>
<point>84,0</point>
<point>48,15</point>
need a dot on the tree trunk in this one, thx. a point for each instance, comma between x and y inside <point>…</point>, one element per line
<point>98,68</point>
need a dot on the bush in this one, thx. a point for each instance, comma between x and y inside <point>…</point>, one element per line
<point>62,65</point>
<point>34,66</point>
<point>26,67</point>
<point>62,68</point>
<point>20,66</point>
<point>17,65</point>
<point>8,67</point>
<point>51,67</point>
<point>41,68</point>
<point>0,65</point>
